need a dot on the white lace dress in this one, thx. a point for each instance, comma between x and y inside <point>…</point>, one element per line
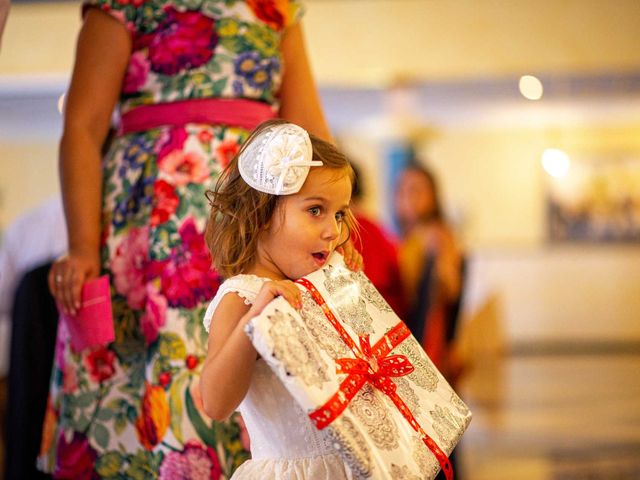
<point>284,443</point>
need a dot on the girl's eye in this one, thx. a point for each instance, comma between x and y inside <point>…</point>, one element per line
<point>340,216</point>
<point>315,211</point>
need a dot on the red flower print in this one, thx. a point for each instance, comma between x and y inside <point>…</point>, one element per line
<point>165,202</point>
<point>187,276</point>
<point>191,362</point>
<point>164,378</point>
<point>205,136</point>
<point>100,364</point>
<point>226,151</point>
<point>274,13</point>
<point>75,459</point>
<point>184,40</point>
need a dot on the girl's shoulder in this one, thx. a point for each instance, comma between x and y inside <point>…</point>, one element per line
<point>245,286</point>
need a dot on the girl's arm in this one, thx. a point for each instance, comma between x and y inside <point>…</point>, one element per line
<point>299,99</point>
<point>102,55</point>
<point>227,370</point>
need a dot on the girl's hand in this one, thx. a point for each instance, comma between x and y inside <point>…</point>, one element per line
<point>68,274</point>
<point>273,289</point>
<point>352,257</point>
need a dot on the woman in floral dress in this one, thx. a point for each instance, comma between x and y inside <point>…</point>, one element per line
<point>190,78</point>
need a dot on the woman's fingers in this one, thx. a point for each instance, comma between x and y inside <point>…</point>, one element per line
<point>66,277</point>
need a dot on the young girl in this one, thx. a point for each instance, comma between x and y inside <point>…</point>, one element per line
<point>278,212</point>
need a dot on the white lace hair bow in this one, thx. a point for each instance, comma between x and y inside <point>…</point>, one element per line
<point>278,160</point>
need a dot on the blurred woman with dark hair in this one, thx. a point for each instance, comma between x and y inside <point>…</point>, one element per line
<point>431,264</point>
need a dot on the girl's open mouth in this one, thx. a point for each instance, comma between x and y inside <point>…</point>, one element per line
<point>320,257</point>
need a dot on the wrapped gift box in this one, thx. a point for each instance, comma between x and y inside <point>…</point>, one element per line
<point>350,362</point>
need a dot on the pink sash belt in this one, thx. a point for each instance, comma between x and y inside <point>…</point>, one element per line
<point>243,113</point>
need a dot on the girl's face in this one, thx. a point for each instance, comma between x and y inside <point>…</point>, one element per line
<point>414,198</point>
<point>306,226</point>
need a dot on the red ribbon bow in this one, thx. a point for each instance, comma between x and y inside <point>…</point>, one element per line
<point>376,368</point>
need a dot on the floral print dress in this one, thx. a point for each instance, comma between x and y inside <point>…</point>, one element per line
<point>132,409</point>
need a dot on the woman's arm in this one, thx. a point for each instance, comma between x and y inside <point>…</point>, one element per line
<point>299,99</point>
<point>102,55</point>
<point>227,370</point>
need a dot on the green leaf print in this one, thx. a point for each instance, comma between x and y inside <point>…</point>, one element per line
<point>100,435</point>
<point>231,44</point>
<point>120,423</point>
<point>81,424</point>
<point>144,465</point>
<point>104,415</point>
<point>86,399</point>
<point>192,4</point>
<point>109,464</point>
<point>219,86</point>
<point>176,406</point>
<point>170,345</point>
<point>205,432</point>
<point>210,10</point>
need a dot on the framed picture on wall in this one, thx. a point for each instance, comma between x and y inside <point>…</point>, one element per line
<point>595,200</point>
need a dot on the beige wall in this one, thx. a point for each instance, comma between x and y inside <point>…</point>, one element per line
<point>28,175</point>
<point>494,177</point>
<point>367,42</point>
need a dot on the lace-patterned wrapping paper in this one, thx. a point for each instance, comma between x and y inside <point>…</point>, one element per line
<point>374,436</point>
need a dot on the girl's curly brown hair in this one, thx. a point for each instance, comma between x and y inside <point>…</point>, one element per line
<point>239,213</point>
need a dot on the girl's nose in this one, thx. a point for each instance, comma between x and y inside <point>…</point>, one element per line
<point>332,229</point>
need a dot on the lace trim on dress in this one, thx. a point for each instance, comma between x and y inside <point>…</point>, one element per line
<point>246,286</point>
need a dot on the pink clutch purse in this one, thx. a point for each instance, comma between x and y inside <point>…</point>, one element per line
<point>92,325</point>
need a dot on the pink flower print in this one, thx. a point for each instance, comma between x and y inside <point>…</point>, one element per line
<point>70,382</point>
<point>129,267</point>
<point>61,340</point>
<point>195,462</point>
<point>173,140</point>
<point>137,73</point>
<point>187,277</point>
<point>184,40</point>
<point>185,167</point>
<point>154,315</point>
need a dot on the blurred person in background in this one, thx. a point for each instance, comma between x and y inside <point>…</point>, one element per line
<point>431,264</point>
<point>191,80</point>
<point>379,250</point>
<point>28,323</point>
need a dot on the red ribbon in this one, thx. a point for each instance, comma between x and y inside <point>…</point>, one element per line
<point>374,365</point>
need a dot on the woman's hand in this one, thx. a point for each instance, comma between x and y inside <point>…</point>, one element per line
<point>273,289</point>
<point>352,257</point>
<point>68,274</point>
